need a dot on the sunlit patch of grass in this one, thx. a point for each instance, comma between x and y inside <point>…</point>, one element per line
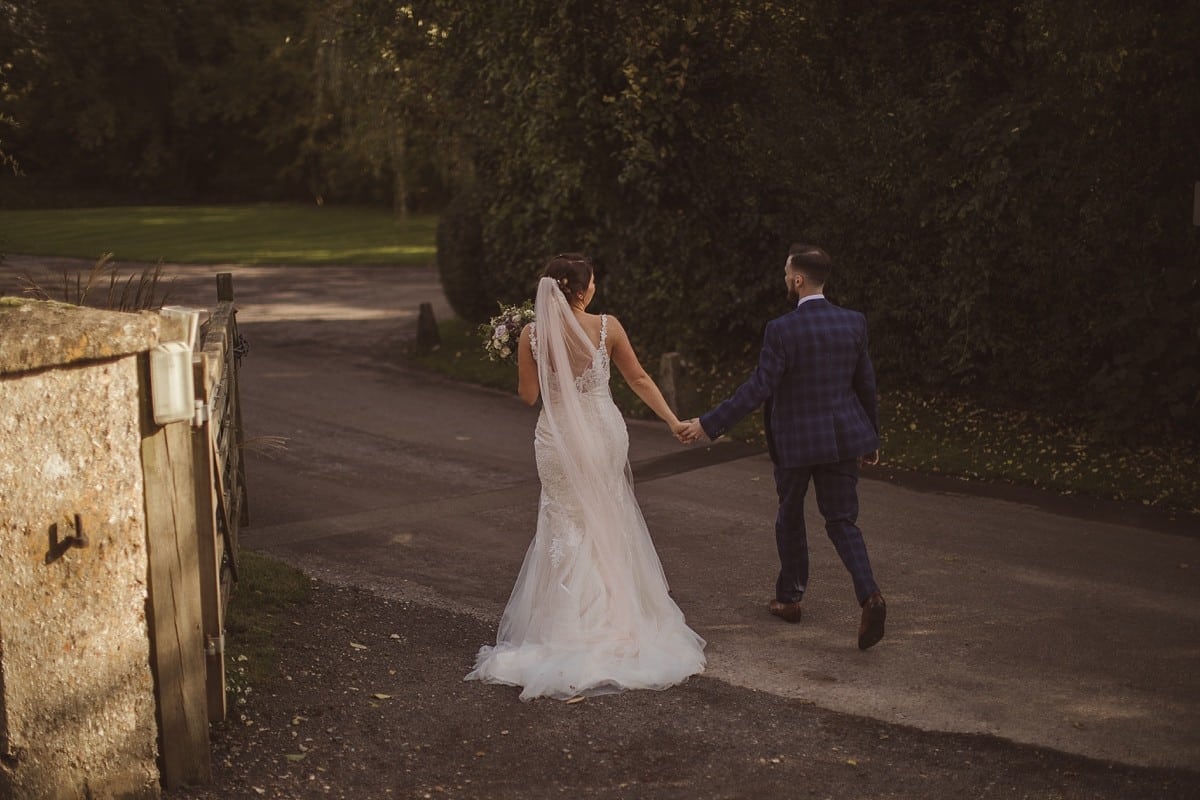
<point>246,234</point>
<point>461,356</point>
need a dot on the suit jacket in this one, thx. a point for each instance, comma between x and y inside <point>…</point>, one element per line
<point>815,378</point>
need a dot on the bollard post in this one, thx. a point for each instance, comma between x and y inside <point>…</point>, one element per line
<point>428,338</point>
<point>675,386</point>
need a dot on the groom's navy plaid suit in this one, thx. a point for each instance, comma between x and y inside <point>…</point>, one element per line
<point>817,384</point>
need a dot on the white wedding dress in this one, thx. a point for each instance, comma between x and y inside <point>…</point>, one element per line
<point>589,613</point>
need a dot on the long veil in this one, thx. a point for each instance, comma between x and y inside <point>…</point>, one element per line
<point>565,356</point>
<point>601,486</point>
<point>590,611</point>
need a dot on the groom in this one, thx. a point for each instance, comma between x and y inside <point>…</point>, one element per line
<point>818,386</point>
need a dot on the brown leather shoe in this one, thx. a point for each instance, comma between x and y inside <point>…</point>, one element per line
<point>870,630</point>
<point>789,612</point>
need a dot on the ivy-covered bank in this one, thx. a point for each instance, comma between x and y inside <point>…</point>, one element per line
<point>926,433</point>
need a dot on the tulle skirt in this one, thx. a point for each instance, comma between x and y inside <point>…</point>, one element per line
<point>590,611</point>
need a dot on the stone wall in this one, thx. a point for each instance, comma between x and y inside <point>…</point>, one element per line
<point>77,715</point>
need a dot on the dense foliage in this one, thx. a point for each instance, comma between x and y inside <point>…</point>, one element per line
<point>1006,188</point>
<point>172,100</point>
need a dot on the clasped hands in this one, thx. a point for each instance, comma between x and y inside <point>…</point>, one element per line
<point>689,432</point>
<point>692,431</point>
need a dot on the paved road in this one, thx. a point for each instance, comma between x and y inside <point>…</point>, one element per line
<point>1014,617</point>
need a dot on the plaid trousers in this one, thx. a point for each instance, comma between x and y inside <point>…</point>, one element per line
<point>837,498</point>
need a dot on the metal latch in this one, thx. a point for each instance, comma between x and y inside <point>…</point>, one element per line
<point>202,414</point>
<point>214,645</point>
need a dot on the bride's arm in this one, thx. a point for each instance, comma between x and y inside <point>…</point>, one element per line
<point>527,371</point>
<point>636,376</point>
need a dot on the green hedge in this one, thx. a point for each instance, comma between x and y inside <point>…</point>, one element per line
<point>1006,188</point>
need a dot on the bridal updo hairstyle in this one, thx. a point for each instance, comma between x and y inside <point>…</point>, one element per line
<point>572,272</point>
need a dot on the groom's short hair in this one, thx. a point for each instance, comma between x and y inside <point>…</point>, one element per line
<point>814,262</point>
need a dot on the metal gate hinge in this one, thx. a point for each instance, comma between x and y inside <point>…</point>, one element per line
<point>202,413</point>
<point>214,645</point>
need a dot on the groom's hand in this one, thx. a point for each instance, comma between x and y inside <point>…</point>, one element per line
<point>870,459</point>
<point>694,432</point>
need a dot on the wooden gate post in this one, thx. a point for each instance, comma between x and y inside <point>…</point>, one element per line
<point>175,620</point>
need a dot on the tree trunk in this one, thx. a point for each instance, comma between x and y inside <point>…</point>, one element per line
<point>399,184</point>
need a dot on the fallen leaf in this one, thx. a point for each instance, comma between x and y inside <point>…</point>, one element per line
<point>576,700</point>
<point>358,646</point>
<point>296,756</point>
<point>381,696</point>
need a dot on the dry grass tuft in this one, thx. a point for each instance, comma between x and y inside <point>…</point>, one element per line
<point>265,445</point>
<point>136,292</point>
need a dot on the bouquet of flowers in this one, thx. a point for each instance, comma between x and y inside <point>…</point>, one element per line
<point>500,335</point>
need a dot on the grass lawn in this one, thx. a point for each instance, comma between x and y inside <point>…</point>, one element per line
<point>241,234</point>
<point>936,435</point>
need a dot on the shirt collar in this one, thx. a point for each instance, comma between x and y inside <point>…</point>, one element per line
<point>806,298</point>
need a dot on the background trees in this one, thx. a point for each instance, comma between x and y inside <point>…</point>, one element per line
<point>122,101</point>
<point>181,100</point>
<point>1006,187</point>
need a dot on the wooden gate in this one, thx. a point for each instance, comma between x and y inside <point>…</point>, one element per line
<point>220,479</point>
<point>195,487</point>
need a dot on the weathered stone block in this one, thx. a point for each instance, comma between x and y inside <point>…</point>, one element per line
<point>76,691</point>
<point>35,334</point>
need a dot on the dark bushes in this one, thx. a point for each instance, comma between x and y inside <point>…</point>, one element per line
<point>1006,191</point>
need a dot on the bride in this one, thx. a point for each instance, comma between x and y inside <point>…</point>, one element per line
<point>589,613</point>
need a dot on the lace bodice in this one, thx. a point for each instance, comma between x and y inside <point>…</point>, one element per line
<point>595,378</point>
